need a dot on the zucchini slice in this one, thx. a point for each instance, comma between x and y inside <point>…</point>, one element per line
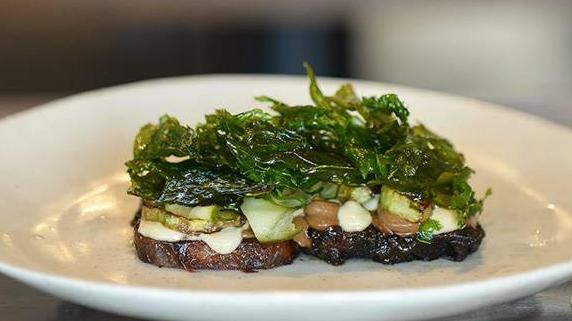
<point>269,221</point>
<point>395,203</point>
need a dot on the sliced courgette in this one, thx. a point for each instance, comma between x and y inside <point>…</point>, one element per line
<point>395,203</point>
<point>329,191</point>
<point>207,213</point>
<point>269,221</point>
<point>185,225</point>
<point>361,194</point>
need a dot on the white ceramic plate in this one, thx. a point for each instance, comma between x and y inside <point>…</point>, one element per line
<point>64,224</point>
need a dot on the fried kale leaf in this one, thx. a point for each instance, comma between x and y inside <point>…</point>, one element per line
<point>341,139</point>
<point>160,182</point>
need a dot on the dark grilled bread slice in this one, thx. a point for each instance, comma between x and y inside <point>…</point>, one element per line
<point>197,255</point>
<point>336,246</point>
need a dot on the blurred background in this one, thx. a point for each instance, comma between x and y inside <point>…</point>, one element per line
<point>517,53</point>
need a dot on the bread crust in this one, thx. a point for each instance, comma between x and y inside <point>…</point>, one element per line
<point>331,245</point>
<point>197,255</point>
<point>336,246</point>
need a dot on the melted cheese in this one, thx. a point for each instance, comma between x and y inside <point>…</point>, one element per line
<point>157,231</point>
<point>353,217</point>
<point>224,242</point>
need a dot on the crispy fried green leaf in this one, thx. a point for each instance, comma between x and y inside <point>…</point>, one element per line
<point>168,138</point>
<point>384,108</point>
<point>275,155</point>
<point>441,147</point>
<point>197,186</point>
<point>341,140</point>
<point>427,230</point>
<point>346,98</point>
<point>208,148</point>
<point>316,124</point>
<point>147,177</point>
<point>315,93</point>
<point>189,184</point>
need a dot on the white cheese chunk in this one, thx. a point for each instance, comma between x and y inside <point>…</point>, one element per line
<point>157,231</point>
<point>446,218</point>
<point>353,217</point>
<point>225,241</point>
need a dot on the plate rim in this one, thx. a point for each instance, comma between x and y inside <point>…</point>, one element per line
<point>557,272</point>
<point>545,276</point>
<point>292,77</point>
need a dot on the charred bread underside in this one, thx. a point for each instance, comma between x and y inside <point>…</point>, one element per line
<point>336,246</point>
<point>197,255</point>
<point>331,245</point>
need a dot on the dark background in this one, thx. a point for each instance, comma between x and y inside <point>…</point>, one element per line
<point>73,45</point>
<point>512,52</point>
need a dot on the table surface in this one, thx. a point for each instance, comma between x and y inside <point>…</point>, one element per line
<point>19,302</point>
